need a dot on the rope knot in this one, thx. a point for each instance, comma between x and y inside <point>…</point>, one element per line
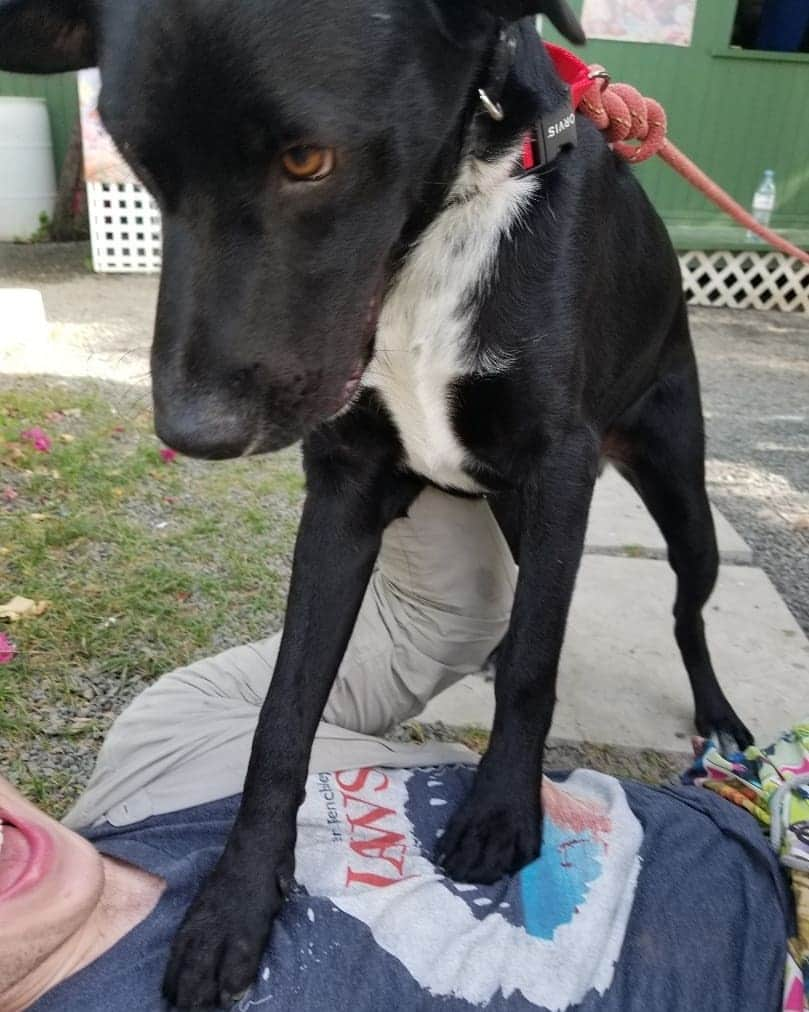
<point>625,115</point>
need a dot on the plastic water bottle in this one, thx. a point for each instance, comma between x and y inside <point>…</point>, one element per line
<point>763,202</point>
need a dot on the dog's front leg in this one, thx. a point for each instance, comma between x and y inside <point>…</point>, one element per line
<point>499,828</point>
<point>353,493</point>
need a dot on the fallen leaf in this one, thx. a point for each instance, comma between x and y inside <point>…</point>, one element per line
<point>22,607</point>
<point>72,412</point>
<point>54,416</point>
<point>37,516</point>
<point>39,439</point>
<point>66,437</point>
<point>8,650</point>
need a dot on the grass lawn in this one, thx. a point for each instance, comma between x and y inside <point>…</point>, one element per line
<point>146,564</point>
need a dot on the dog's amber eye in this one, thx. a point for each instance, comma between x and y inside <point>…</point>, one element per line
<point>307,163</point>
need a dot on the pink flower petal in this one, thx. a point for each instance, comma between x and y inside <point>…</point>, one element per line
<point>169,456</point>
<point>39,438</point>
<point>7,649</point>
<point>9,494</point>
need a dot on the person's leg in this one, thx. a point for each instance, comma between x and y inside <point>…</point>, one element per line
<point>437,606</point>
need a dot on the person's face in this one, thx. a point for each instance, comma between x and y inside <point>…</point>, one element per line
<point>51,880</point>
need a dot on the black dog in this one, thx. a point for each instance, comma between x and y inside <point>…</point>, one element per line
<point>355,255</point>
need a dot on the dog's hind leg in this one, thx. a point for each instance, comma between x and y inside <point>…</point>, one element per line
<point>662,454</point>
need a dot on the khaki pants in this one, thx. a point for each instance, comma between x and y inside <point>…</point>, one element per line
<point>437,605</point>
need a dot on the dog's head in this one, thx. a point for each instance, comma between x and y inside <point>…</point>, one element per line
<point>288,143</point>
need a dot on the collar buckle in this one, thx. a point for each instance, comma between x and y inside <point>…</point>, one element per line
<point>552,134</point>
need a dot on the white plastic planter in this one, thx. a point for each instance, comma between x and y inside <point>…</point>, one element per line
<point>27,177</point>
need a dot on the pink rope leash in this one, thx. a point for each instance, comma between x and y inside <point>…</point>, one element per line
<point>623,114</point>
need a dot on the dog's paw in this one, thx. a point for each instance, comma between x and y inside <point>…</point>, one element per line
<point>216,953</point>
<point>486,840</point>
<point>727,730</point>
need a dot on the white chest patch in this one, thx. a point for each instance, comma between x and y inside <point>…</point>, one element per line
<point>423,340</point>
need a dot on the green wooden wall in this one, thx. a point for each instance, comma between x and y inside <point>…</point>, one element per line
<point>63,103</point>
<point>734,112</point>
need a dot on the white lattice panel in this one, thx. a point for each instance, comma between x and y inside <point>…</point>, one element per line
<point>749,280</point>
<point>125,229</point>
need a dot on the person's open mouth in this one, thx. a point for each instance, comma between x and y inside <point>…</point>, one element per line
<point>25,856</point>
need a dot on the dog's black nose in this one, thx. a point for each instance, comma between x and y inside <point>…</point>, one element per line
<point>204,429</point>
<point>216,409</point>
<point>194,442</point>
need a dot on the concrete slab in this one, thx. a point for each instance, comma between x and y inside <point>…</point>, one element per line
<point>96,327</point>
<point>22,319</point>
<point>621,525</point>
<point>621,680</point>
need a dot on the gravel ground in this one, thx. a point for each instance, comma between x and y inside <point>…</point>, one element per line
<point>755,379</point>
<point>649,765</point>
<point>22,264</point>
<point>755,374</point>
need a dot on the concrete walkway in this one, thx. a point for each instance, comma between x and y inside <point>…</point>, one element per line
<point>621,680</point>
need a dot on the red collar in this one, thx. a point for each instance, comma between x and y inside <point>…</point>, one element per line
<point>573,71</point>
<point>558,130</point>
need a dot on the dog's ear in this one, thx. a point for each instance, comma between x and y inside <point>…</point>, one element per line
<point>463,19</point>
<point>558,13</point>
<point>46,36</point>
